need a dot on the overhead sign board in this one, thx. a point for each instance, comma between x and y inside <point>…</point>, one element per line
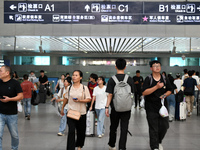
<point>83,12</point>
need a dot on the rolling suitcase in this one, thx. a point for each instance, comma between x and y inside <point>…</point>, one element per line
<point>42,93</point>
<point>42,97</point>
<point>35,98</point>
<point>90,123</point>
<point>182,111</point>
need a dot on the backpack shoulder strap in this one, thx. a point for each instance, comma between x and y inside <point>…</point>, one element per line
<point>69,91</point>
<point>125,78</point>
<point>62,91</point>
<point>115,79</point>
<point>164,78</point>
<point>150,78</point>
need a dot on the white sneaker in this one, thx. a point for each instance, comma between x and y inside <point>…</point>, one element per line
<point>112,148</point>
<point>160,147</point>
<point>99,136</point>
<point>60,134</point>
<point>156,149</point>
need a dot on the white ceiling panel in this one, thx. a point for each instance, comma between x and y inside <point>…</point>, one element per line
<point>100,44</point>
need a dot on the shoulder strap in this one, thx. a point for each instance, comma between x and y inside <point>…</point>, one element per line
<point>164,78</point>
<point>151,79</point>
<point>62,91</point>
<point>126,78</point>
<point>115,79</point>
<point>84,91</point>
<point>69,91</point>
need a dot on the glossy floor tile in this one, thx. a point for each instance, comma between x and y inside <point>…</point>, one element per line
<point>40,133</point>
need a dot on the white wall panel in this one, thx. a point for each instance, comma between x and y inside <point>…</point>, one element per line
<point>62,29</point>
<point>100,30</point>
<point>25,30</point>
<point>136,30</point>
<point>43,29</point>
<point>178,30</point>
<point>192,31</point>
<point>118,30</point>
<point>81,30</point>
<point>156,30</point>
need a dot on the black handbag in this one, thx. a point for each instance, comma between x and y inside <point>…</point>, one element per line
<point>179,96</point>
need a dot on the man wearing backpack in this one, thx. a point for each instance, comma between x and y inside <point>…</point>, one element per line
<point>123,111</point>
<point>156,87</point>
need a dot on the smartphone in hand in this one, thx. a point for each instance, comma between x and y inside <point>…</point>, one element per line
<point>75,98</point>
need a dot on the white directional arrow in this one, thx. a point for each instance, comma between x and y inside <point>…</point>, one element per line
<point>198,8</point>
<point>87,8</point>
<point>13,7</point>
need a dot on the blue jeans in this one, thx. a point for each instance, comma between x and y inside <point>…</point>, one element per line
<point>11,121</point>
<point>100,123</point>
<point>171,102</point>
<point>195,95</point>
<point>63,122</point>
<point>27,106</point>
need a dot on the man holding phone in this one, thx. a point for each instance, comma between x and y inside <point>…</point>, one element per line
<point>155,88</point>
<point>11,92</point>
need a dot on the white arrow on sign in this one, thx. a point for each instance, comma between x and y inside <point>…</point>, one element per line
<point>87,8</point>
<point>13,7</point>
<point>198,8</point>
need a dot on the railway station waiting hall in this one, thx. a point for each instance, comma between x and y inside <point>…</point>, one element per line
<point>53,38</point>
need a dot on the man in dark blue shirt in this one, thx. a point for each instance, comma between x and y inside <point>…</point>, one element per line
<point>138,81</point>
<point>189,85</point>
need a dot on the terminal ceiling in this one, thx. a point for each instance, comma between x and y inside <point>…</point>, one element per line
<point>103,45</point>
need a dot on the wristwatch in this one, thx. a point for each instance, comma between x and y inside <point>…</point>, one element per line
<point>106,107</point>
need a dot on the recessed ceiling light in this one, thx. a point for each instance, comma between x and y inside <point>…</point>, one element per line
<point>60,38</point>
<point>8,45</point>
<point>24,48</point>
<point>17,46</point>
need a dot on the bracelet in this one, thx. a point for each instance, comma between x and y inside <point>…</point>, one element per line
<point>106,107</point>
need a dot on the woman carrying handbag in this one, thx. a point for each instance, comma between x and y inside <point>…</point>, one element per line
<point>76,96</point>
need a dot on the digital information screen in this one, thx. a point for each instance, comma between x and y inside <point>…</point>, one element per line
<point>82,12</point>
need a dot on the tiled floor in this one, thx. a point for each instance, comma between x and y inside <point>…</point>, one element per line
<point>40,133</point>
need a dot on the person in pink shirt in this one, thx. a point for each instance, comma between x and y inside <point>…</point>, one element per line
<point>27,88</point>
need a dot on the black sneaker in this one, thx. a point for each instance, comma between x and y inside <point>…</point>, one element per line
<point>28,117</point>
